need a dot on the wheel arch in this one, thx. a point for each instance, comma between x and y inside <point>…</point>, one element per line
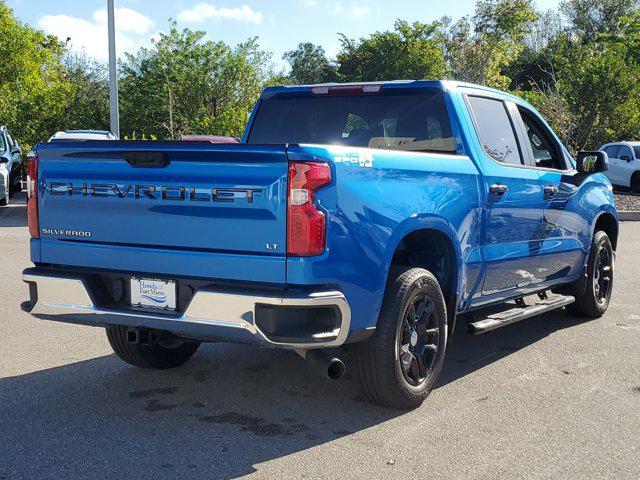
<point>608,223</point>
<point>430,245</point>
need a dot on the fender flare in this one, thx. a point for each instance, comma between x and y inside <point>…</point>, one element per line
<point>428,222</point>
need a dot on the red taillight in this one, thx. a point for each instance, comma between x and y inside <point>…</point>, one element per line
<point>306,224</point>
<point>32,195</point>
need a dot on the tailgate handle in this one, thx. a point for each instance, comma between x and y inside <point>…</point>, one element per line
<point>147,159</point>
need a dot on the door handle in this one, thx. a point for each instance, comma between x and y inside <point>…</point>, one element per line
<point>550,191</point>
<point>498,189</point>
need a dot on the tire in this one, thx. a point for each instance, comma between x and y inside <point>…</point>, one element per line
<point>384,377</point>
<point>635,182</point>
<point>7,193</point>
<point>149,356</point>
<point>599,282</point>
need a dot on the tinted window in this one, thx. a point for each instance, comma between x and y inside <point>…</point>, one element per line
<point>495,130</point>
<point>3,147</point>
<point>612,151</point>
<point>625,152</point>
<point>637,150</point>
<point>390,121</point>
<point>545,149</point>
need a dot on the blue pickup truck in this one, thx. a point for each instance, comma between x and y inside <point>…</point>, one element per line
<point>353,224</point>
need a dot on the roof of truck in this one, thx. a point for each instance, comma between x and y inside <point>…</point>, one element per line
<point>443,85</point>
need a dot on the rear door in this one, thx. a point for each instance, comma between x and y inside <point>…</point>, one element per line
<point>512,232</point>
<point>188,208</point>
<point>614,164</point>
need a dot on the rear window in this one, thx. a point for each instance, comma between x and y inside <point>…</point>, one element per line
<point>495,130</point>
<point>636,149</point>
<point>410,122</point>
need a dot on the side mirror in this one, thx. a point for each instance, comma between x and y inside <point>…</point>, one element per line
<point>592,162</point>
<point>15,150</point>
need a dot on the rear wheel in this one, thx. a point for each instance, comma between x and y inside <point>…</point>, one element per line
<point>597,295</point>
<point>166,352</point>
<point>399,365</point>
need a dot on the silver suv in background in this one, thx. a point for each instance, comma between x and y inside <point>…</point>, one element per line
<point>10,166</point>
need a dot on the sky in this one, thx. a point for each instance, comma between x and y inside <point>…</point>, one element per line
<point>279,24</point>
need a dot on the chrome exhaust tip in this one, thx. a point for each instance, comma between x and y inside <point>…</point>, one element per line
<point>325,362</point>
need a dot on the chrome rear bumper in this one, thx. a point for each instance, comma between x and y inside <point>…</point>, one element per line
<point>210,315</point>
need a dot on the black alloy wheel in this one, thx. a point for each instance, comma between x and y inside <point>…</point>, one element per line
<point>418,340</point>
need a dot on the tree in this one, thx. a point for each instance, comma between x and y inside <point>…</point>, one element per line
<point>589,18</point>
<point>185,84</point>
<point>410,51</point>
<point>33,88</point>
<point>478,49</point>
<point>87,106</point>
<point>309,64</point>
<point>585,83</point>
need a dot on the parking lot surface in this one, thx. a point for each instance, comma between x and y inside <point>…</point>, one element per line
<point>551,397</point>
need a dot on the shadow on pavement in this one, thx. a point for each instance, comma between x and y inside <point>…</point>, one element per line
<point>14,214</point>
<point>229,409</point>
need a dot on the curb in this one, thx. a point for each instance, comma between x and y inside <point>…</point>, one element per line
<point>629,216</point>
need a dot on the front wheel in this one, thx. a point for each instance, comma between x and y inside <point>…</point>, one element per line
<point>5,201</point>
<point>399,364</point>
<point>635,183</point>
<point>597,294</point>
<point>161,355</point>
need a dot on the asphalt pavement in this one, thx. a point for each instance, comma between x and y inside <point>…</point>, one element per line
<point>552,397</point>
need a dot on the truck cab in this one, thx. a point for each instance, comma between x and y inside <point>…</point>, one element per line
<point>353,223</point>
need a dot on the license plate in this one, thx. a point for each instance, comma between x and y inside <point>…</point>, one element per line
<point>150,293</point>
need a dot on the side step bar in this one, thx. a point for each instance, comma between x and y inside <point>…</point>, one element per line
<point>516,314</point>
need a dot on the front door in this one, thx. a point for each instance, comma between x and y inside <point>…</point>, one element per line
<point>564,229</point>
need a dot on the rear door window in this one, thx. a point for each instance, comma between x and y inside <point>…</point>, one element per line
<point>394,121</point>
<point>612,151</point>
<point>495,131</point>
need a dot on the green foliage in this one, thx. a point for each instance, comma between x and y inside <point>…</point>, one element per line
<point>590,18</point>
<point>309,64</point>
<point>410,51</point>
<point>87,106</point>
<point>33,92</point>
<point>480,48</point>
<point>185,84</point>
<point>586,84</point>
<point>580,68</point>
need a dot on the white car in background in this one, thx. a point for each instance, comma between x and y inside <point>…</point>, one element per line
<point>624,164</point>
<point>75,135</point>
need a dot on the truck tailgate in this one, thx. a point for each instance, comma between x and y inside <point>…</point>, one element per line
<point>184,209</point>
